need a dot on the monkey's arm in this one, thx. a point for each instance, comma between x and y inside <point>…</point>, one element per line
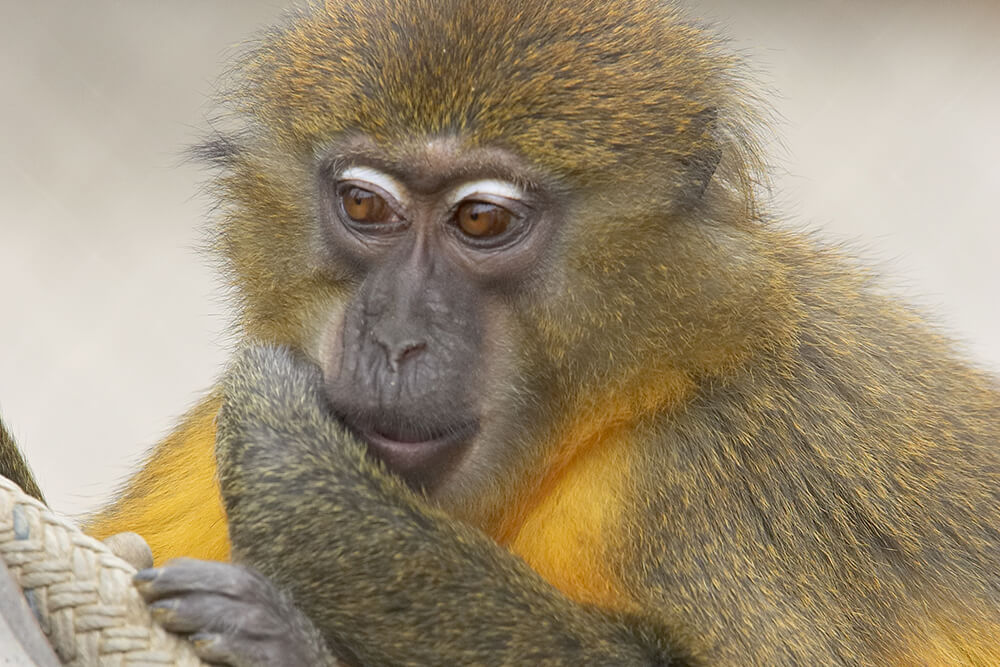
<point>385,578</point>
<point>14,467</point>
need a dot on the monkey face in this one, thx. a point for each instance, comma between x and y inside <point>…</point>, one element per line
<point>434,239</point>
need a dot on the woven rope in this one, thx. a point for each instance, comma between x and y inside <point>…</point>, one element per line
<point>81,593</point>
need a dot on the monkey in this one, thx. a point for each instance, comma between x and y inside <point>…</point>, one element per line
<point>532,374</point>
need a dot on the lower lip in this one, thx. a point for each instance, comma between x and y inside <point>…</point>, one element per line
<point>423,458</point>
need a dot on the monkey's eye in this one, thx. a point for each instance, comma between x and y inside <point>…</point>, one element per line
<point>366,207</point>
<point>482,220</point>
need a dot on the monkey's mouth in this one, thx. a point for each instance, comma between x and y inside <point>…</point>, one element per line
<point>422,458</point>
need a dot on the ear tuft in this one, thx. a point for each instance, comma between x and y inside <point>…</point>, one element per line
<point>219,150</point>
<point>703,165</point>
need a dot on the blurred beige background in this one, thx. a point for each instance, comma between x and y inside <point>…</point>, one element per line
<point>112,323</point>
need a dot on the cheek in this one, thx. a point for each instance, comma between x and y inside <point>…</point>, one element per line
<point>506,455</point>
<point>325,346</point>
<point>501,363</point>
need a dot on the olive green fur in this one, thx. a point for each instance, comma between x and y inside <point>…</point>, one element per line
<point>14,467</point>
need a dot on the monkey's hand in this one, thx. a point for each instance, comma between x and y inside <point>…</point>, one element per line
<point>386,578</point>
<point>231,614</point>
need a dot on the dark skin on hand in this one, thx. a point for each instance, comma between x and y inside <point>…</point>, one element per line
<point>528,375</point>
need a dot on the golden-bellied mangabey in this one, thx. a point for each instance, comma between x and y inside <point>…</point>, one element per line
<point>532,379</point>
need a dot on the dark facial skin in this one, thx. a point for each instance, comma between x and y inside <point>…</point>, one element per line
<point>431,239</point>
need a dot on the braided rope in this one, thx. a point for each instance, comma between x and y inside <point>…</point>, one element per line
<point>81,593</point>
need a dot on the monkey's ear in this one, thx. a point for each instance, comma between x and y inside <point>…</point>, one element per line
<point>218,150</point>
<point>702,165</point>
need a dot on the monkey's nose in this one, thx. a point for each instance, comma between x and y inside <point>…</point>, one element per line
<point>399,344</point>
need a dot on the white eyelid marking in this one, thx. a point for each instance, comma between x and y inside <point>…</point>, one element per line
<point>369,175</point>
<point>490,186</point>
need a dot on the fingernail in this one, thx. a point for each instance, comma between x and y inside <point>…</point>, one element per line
<point>162,609</point>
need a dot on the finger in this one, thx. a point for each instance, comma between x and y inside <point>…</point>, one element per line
<point>186,575</point>
<point>214,614</point>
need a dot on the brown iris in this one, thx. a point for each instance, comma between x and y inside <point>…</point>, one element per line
<point>365,206</point>
<point>481,220</point>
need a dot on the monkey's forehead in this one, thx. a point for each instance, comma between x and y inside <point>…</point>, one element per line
<point>575,84</point>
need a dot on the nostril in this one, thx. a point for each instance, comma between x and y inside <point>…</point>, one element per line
<point>407,350</point>
<point>400,338</point>
<point>397,352</point>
